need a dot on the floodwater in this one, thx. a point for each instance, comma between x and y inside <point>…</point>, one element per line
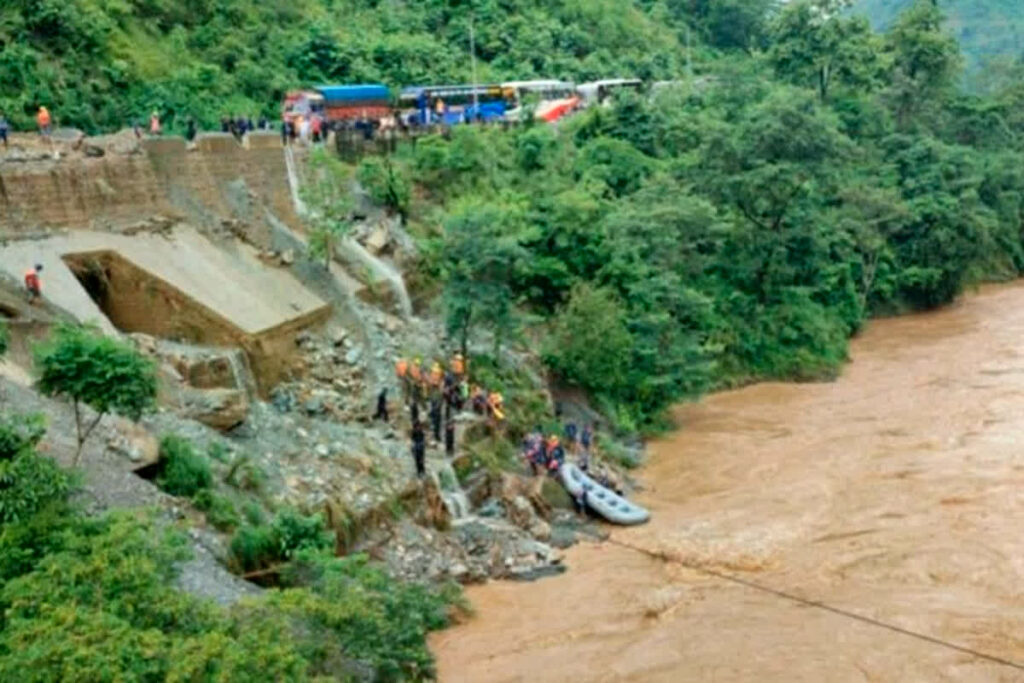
<point>894,493</point>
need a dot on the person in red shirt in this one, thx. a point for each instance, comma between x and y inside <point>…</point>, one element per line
<point>33,284</point>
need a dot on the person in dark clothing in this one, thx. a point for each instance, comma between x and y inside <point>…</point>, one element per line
<point>249,125</point>
<point>263,123</point>
<point>225,124</point>
<point>570,436</point>
<point>449,438</point>
<point>382,406</point>
<point>419,448</point>
<point>284,133</point>
<point>190,129</point>
<point>5,129</point>
<point>415,408</point>
<point>435,418</point>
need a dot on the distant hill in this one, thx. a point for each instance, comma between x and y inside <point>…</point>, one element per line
<point>985,28</point>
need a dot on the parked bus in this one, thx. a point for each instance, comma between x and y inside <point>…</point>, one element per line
<point>598,92</point>
<point>339,104</point>
<point>554,99</point>
<point>453,104</point>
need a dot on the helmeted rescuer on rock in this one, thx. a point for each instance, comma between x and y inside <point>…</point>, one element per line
<point>33,283</point>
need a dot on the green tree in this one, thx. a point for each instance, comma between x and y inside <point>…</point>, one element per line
<point>925,60</point>
<point>480,256</point>
<point>328,198</point>
<point>589,344</point>
<point>93,370</point>
<point>814,44</point>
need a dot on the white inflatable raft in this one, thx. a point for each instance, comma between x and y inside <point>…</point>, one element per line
<point>608,504</point>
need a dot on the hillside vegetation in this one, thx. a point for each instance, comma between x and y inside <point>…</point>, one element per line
<point>986,29</point>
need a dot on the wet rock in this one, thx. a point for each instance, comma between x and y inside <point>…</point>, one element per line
<point>288,257</point>
<point>354,355</point>
<point>221,409</point>
<point>492,508</point>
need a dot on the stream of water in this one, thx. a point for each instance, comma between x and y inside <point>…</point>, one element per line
<point>892,494</point>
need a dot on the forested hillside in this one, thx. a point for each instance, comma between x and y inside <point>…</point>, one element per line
<point>986,29</point>
<point>99,63</point>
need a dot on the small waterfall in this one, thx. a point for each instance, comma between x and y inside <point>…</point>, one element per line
<point>293,181</point>
<point>241,371</point>
<point>455,499</point>
<point>379,270</point>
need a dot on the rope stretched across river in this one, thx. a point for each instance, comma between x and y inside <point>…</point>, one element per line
<point>665,557</point>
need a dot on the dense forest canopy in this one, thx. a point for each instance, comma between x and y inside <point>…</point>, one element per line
<point>988,30</point>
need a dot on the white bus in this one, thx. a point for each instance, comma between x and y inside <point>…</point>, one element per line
<point>554,99</point>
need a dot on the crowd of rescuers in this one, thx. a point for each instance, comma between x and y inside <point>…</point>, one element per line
<point>441,392</point>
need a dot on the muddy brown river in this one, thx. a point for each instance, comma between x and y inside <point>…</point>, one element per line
<point>894,493</point>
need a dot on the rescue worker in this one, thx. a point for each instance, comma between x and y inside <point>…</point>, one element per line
<point>458,365</point>
<point>382,406</point>
<point>44,121</point>
<point>449,438</point>
<point>570,436</point>
<point>436,376</point>
<point>496,406</point>
<point>402,373</point>
<point>416,380</point>
<point>33,283</point>
<point>435,418</point>
<point>419,448</point>
<point>478,400</point>
<point>555,454</point>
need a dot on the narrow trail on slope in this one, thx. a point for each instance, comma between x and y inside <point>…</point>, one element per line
<point>817,604</point>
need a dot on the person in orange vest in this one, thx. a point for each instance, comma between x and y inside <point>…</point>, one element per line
<point>555,454</point>
<point>154,124</point>
<point>44,121</point>
<point>496,406</point>
<point>402,373</point>
<point>33,283</point>
<point>416,380</point>
<point>458,365</point>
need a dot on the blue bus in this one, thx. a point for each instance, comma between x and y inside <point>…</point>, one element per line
<point>449,105</point>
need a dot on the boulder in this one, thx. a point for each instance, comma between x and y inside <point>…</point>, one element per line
<point>378,240</point>
<point>221,409</point>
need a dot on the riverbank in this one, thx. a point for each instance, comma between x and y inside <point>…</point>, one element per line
<point>890,494</point>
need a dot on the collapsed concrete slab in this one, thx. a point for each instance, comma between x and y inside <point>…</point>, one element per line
<point>178,285</point>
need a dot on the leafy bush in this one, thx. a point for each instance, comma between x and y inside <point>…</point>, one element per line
<point>220,511</point>
<point>20,434</point>
<point>386,184</point>
<point>184,472</point>
<point>29,483</point>
<point>5,338</point>
<point>256,547</point>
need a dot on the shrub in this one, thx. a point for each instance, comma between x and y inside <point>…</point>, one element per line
<point>184,472</point>
<point>295,532</point>
<point>386,184</point>
<point>19,434</point>
<point>254,547</point>
<point>28,481</point>
<point>5,338</point>
<point>220,510</point>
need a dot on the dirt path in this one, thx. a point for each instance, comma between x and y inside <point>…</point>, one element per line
<point>891,494</point>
